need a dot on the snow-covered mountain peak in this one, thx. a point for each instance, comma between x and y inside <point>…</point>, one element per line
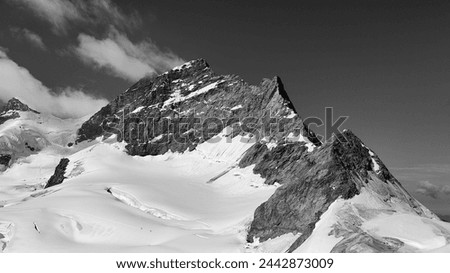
<point>198,64</point>
<point>197,97</point>
<point>25,132</point>
<point>15,104</point>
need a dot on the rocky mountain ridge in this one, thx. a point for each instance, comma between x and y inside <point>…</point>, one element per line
<point>313,175</point>
<point>26,131</point>
<point>173,111</point>
<point>14,104</point>
<point>10,110</point>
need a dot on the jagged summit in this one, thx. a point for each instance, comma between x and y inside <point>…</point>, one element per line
<point>184,70</point>
<point>193,92</point>
<point>197,64</point>
<point>15,104</point>
<point>282,91</point>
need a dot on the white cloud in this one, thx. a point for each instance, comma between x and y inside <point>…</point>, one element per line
<point>3,52</point>
<point>122,58</point>
<point>61,13</point>
<point>30,36</point>
<point>17,81</point>
<point>432,190</point>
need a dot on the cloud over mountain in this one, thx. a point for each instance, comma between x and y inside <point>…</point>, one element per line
<point>122,58</point>
<point>17,81</point>
<point>61,14</point>
<point>433,190</point>
<point>33,38</point>
<point>102,41</point>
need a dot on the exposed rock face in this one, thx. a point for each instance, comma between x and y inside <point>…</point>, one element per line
<point>23,141</point>
<point>174,111</point>
<point>7,116</point>
<point>16,105</point>
<point>58,177</point>
<point>357,243</point>
<point>5,159</point>
<point>313,181</point>
<point>9,111</point>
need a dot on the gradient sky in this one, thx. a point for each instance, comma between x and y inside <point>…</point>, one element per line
<point>385,64</point>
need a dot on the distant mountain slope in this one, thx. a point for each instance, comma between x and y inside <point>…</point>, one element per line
<point>24,131</point>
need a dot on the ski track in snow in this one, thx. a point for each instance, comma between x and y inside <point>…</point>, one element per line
<point>132,201</point>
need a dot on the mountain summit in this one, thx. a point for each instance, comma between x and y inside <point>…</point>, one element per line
<point>191,97</point>
<point>15,104</point>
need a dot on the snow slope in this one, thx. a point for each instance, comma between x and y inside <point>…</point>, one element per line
<point>115,202</point>
<point>35,132</point>
<point>367,215</point>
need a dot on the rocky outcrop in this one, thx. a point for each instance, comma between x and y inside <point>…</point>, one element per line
<point>7,116</point>
<point>188,105</point>
<point>58,177</point>
<point>311,182</point>
<point>5,160</point>
<point>15,104</point>
<point>9,111</point>
<point>364,243</point>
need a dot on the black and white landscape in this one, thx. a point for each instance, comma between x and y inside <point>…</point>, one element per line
<point>184,158</point>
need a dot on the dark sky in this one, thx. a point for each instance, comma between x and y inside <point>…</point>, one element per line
<point>385,64</point>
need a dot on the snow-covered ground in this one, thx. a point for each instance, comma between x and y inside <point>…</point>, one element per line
<point>198,201</point>
<point>367,214</point>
